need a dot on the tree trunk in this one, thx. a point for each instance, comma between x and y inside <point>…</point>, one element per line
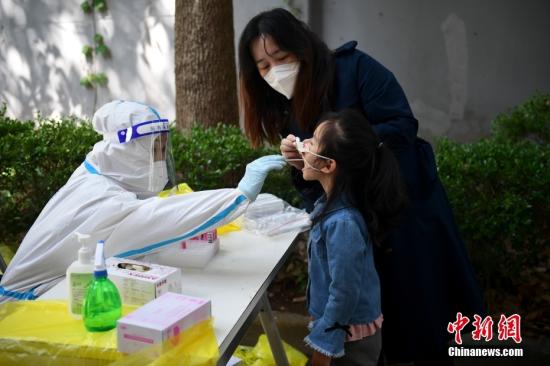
<point>206,86</point>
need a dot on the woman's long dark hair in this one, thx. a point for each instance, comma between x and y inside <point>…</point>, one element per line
<point>264,108</point>
<point>367,172</point>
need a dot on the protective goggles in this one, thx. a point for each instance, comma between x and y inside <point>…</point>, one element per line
<point>303,149</point>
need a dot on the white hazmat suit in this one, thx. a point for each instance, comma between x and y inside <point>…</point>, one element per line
<point>106,198</point>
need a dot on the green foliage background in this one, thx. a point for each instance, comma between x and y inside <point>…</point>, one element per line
<point>499,188</point>
<point>37,158</point>
<point>210,158</point>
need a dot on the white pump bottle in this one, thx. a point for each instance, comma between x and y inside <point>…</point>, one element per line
<point>79,274</point>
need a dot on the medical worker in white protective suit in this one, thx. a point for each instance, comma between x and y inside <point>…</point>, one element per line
<point>113,196</point>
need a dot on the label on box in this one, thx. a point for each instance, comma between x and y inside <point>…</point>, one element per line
<point>140,282</point>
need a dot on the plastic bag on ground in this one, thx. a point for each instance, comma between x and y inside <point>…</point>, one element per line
<point>260,354</point>
<point>43,333</point>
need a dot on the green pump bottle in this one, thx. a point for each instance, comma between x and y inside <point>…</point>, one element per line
<point>102,306</point>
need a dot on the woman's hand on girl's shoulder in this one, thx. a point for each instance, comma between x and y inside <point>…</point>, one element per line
<point>290,153</point>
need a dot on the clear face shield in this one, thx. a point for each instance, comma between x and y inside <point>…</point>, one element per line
<point>156,168</point>
<point>162,169</point>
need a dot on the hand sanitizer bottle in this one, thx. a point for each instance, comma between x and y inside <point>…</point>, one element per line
<point>79,275</point>
<point>102,305</point>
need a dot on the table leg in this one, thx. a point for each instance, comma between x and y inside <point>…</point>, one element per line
<point>272,332</point>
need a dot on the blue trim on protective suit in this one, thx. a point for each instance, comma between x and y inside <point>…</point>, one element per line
<point>90,168</point>
<point>18,295</point>
<point>190,234</point>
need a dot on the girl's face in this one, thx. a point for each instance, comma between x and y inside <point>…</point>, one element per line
<point>316,167</point>
<point>267,53</point>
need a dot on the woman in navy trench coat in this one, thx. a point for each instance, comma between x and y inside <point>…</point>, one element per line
<point>425,272</point>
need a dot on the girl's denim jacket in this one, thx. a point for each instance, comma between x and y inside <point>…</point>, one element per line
<point>343,287</point>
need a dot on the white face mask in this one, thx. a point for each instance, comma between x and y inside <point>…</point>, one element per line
<point>282,78</point>
<point>159,176</point>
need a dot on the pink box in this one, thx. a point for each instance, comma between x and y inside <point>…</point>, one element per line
<point>190,253</point>
<point>159,320</point>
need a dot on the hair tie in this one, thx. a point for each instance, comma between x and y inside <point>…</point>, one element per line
<point>380,145</point>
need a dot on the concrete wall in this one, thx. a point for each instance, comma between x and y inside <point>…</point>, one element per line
<point>41,62</point>
<point>460,63</point>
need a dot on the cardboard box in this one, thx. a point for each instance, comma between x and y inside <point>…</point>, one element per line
<point>196,252</point>
<point>140,282</point>
<point>160,320</point>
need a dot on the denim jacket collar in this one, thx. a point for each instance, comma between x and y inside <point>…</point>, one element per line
<point>339,203</point>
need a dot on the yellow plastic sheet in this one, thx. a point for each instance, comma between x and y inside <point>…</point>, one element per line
<point>6,253</point>
<point>43,333</point>
<point>184,188</point>
<point>181,188</point>
<point>260,354</point>
<point>196,346</point>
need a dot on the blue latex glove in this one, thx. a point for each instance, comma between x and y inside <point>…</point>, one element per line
<point>256,172</point>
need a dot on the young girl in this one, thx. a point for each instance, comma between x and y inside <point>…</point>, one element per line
<point>363,197</point>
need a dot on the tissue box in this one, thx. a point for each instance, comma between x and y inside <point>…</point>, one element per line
<point>159,320</point>
<point>140,282</point>
<point>195,252</point>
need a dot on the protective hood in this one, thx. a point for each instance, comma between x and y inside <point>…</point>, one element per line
<point>131,133</point>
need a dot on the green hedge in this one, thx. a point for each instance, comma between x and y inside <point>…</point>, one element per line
<point>527,121</point>
<point>501,200</point>
<point>498,187</point>
<point>209,158</point>
<point>37,158</point>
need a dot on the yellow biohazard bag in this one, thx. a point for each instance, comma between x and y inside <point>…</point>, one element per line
<point>184,188</point>
<point>43,333</point>
<point>260,354</point>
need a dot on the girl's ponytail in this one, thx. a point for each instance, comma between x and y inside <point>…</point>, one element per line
<point>384,193</point>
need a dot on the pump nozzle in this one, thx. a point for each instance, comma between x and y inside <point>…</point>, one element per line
<point>82,237</point>
<point>99,264</point>
<point>84,253</point>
